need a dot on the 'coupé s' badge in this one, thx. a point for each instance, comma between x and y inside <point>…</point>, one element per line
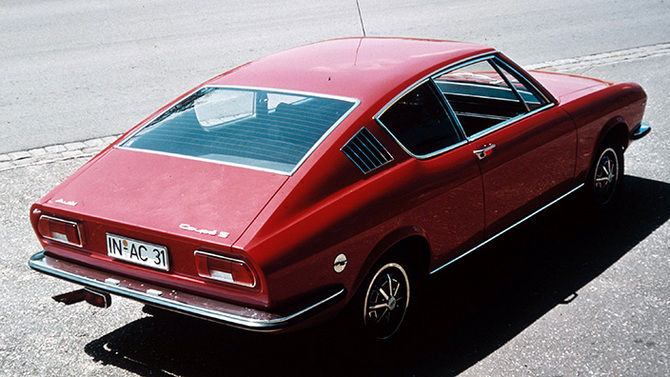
<point>204,231</point>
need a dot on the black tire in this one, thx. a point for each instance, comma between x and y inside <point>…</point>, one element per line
<point>385,299</point>
<point>606,176</point>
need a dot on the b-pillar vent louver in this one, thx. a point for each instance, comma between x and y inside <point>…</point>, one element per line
<point>366,152</point>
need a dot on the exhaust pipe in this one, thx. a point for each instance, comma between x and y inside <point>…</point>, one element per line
<point>95,298</point>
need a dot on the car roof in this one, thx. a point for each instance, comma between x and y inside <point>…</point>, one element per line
<point>363,68</point>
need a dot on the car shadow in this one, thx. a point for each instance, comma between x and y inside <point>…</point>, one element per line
<point>463,314</point>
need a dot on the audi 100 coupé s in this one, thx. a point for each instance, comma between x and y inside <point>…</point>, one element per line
<point>276,194</point>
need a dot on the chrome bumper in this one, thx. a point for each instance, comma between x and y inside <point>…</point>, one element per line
<point>640,131</point>
<point>187,303</point>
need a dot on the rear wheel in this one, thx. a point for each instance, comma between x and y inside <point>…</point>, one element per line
<point>386,300</point>
<point>607,174</point>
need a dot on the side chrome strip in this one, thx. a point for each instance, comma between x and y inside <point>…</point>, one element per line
<point>183,302</point>
<point>505,230</point>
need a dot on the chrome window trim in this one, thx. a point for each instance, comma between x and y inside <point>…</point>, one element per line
<point>354,101</point>
<point>507,229</point>
<point>399,96</point>
<point>485,116</point>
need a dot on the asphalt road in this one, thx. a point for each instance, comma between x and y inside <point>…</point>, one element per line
<point>566,294</point>
<point>76,70</point>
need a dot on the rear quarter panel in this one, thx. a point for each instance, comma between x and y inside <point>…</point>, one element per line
<point>329,207</point>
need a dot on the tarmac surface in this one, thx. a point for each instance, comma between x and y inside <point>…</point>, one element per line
<point>75,70</point>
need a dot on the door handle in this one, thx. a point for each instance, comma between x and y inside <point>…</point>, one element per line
<point>484,152</point>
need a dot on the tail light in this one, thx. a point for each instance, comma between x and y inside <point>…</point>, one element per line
<point>225,269</point>
<point>65,231</point>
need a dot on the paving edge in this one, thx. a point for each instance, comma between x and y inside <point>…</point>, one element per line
<point>54,153</point>
<point>605,58</point>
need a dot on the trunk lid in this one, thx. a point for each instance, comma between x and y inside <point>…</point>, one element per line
<point>201,200</point>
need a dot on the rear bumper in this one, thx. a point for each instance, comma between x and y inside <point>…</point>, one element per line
<point>183,302</point>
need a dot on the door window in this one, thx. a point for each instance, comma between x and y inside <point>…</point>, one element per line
<point>485,94</point>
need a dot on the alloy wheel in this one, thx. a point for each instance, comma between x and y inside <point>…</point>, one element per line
<point>606,176</point>
<point>386,301</point>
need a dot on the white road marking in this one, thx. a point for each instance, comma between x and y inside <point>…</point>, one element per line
<point>606,58</point>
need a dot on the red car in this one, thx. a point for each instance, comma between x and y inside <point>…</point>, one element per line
<point>274,195</point>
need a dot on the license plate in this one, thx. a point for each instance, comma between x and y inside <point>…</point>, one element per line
<point>138,252</point>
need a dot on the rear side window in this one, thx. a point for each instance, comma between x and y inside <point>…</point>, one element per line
<point>255,128</point>
<point>420,123</point>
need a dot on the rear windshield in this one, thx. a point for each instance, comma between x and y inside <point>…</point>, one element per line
<point>262,129</point>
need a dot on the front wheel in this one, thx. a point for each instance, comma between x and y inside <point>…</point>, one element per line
<point>605,180</point>
<point>386,300</point>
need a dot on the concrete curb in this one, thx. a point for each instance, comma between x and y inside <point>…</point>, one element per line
<point>53,153</point>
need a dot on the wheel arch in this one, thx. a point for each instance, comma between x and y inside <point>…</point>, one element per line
<point>409,244</point>
<point>615,130</point>
<point>614,135</point>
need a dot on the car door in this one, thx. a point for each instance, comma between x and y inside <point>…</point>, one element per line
<point>525,146</point>
<point>442,190</point>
